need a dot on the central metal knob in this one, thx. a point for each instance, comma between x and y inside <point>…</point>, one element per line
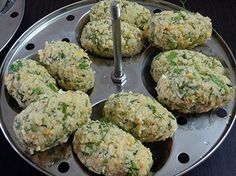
<point>118,75</point>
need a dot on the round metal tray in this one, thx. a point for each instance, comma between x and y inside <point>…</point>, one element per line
<point>10,19</point>
<point>197,136</point>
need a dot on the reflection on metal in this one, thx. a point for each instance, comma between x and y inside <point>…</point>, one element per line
<point>11,14</point>
<point>204,132</point>
<point>2,4</point>
<point>118,76</point>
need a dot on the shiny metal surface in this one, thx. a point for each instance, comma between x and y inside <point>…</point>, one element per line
<point>10,19</point>
<point>2,4</point>
<point>118,76</point>
<point>197,139</point>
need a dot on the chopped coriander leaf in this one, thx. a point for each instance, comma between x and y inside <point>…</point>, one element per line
<point>158,115</point>
<point>92,37</point>
<point>37,91</point>
<point>91,148</point>
<point>216,80</point>
<point>83,64</point>
<point>177,18</point>
<point>64,109</point>
<point>132,101</point>
<point>178,70</point>
<point>18,77</point>
<point>172,43</point>
<point>105,161</point>
<point>172,57</point>
<point>34,128</point>
<point>61,55</point>
<point>16,66</point>
<point>104,128</point>
<point>172,117</point>
<point>52,87</point>
<point>132,169</point>
<point>152,108</point>
<point>169,124</point>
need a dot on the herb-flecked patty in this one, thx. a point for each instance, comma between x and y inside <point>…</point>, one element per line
<point>178,30</point>
<point>68,64</point>
<point>141,116</point>
<point>169,59</point>
<point>27,81</point>
<point>188,90</point>
<point>50,121</point>
<point>131,12</point>
<point>97,38</point>
<point>105,149</point>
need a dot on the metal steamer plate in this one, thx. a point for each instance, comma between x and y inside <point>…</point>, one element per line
<point>197,136</point>
<point>11,14</point>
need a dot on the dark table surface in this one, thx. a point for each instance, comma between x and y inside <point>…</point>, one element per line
<point>223,14</point>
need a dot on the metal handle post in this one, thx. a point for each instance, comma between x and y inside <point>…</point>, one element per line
<point>118,76</point>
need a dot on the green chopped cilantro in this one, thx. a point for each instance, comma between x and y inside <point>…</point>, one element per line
<point>152,108</point>
<point>52,87</point>
<point>172,57</point>
<point>217,81</point>
<point>92,37</point>
<point>172,43</point>
<point>169,124</point>
<point>34,128</point>
<point>177,18</point>
<point>64,109</point>
<point>105,161</point>
<point>61,55</point>
<point>132,169</point>
<point>18,77</point>
<point>37,91</point>
<point>83,64</point>
<point>158,115</point>
<point>171,117</point>
<point>132,101</point>
<point>16,66</point>
<point>104,128</point>
<point>178,70</point>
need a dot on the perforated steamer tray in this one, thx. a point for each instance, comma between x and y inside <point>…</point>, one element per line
<point>10,19</point>
<point>197,136</point>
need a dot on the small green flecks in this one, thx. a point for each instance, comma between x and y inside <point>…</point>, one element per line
<point>217,81</point>
<point>132,169</point>
<point>172,57</point>
<point>16,66</point>
<point>169,124</point>
<point>83,64</point>
<point>105,161</point>
<point>91,148</point>
<point>152,108</point>
<point>92,37</point>
<point>64,109</point>
<point>52,87</point>
<point>18,77</point>
<point>33,128</point>
<point>104,128</point>
<point>171,117</point>
<point>159,115</point>
<point>61,55</point>
<point>37,91</point>
<point>177,18</point>
<point>178,70</point>
<point>132,101</point>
